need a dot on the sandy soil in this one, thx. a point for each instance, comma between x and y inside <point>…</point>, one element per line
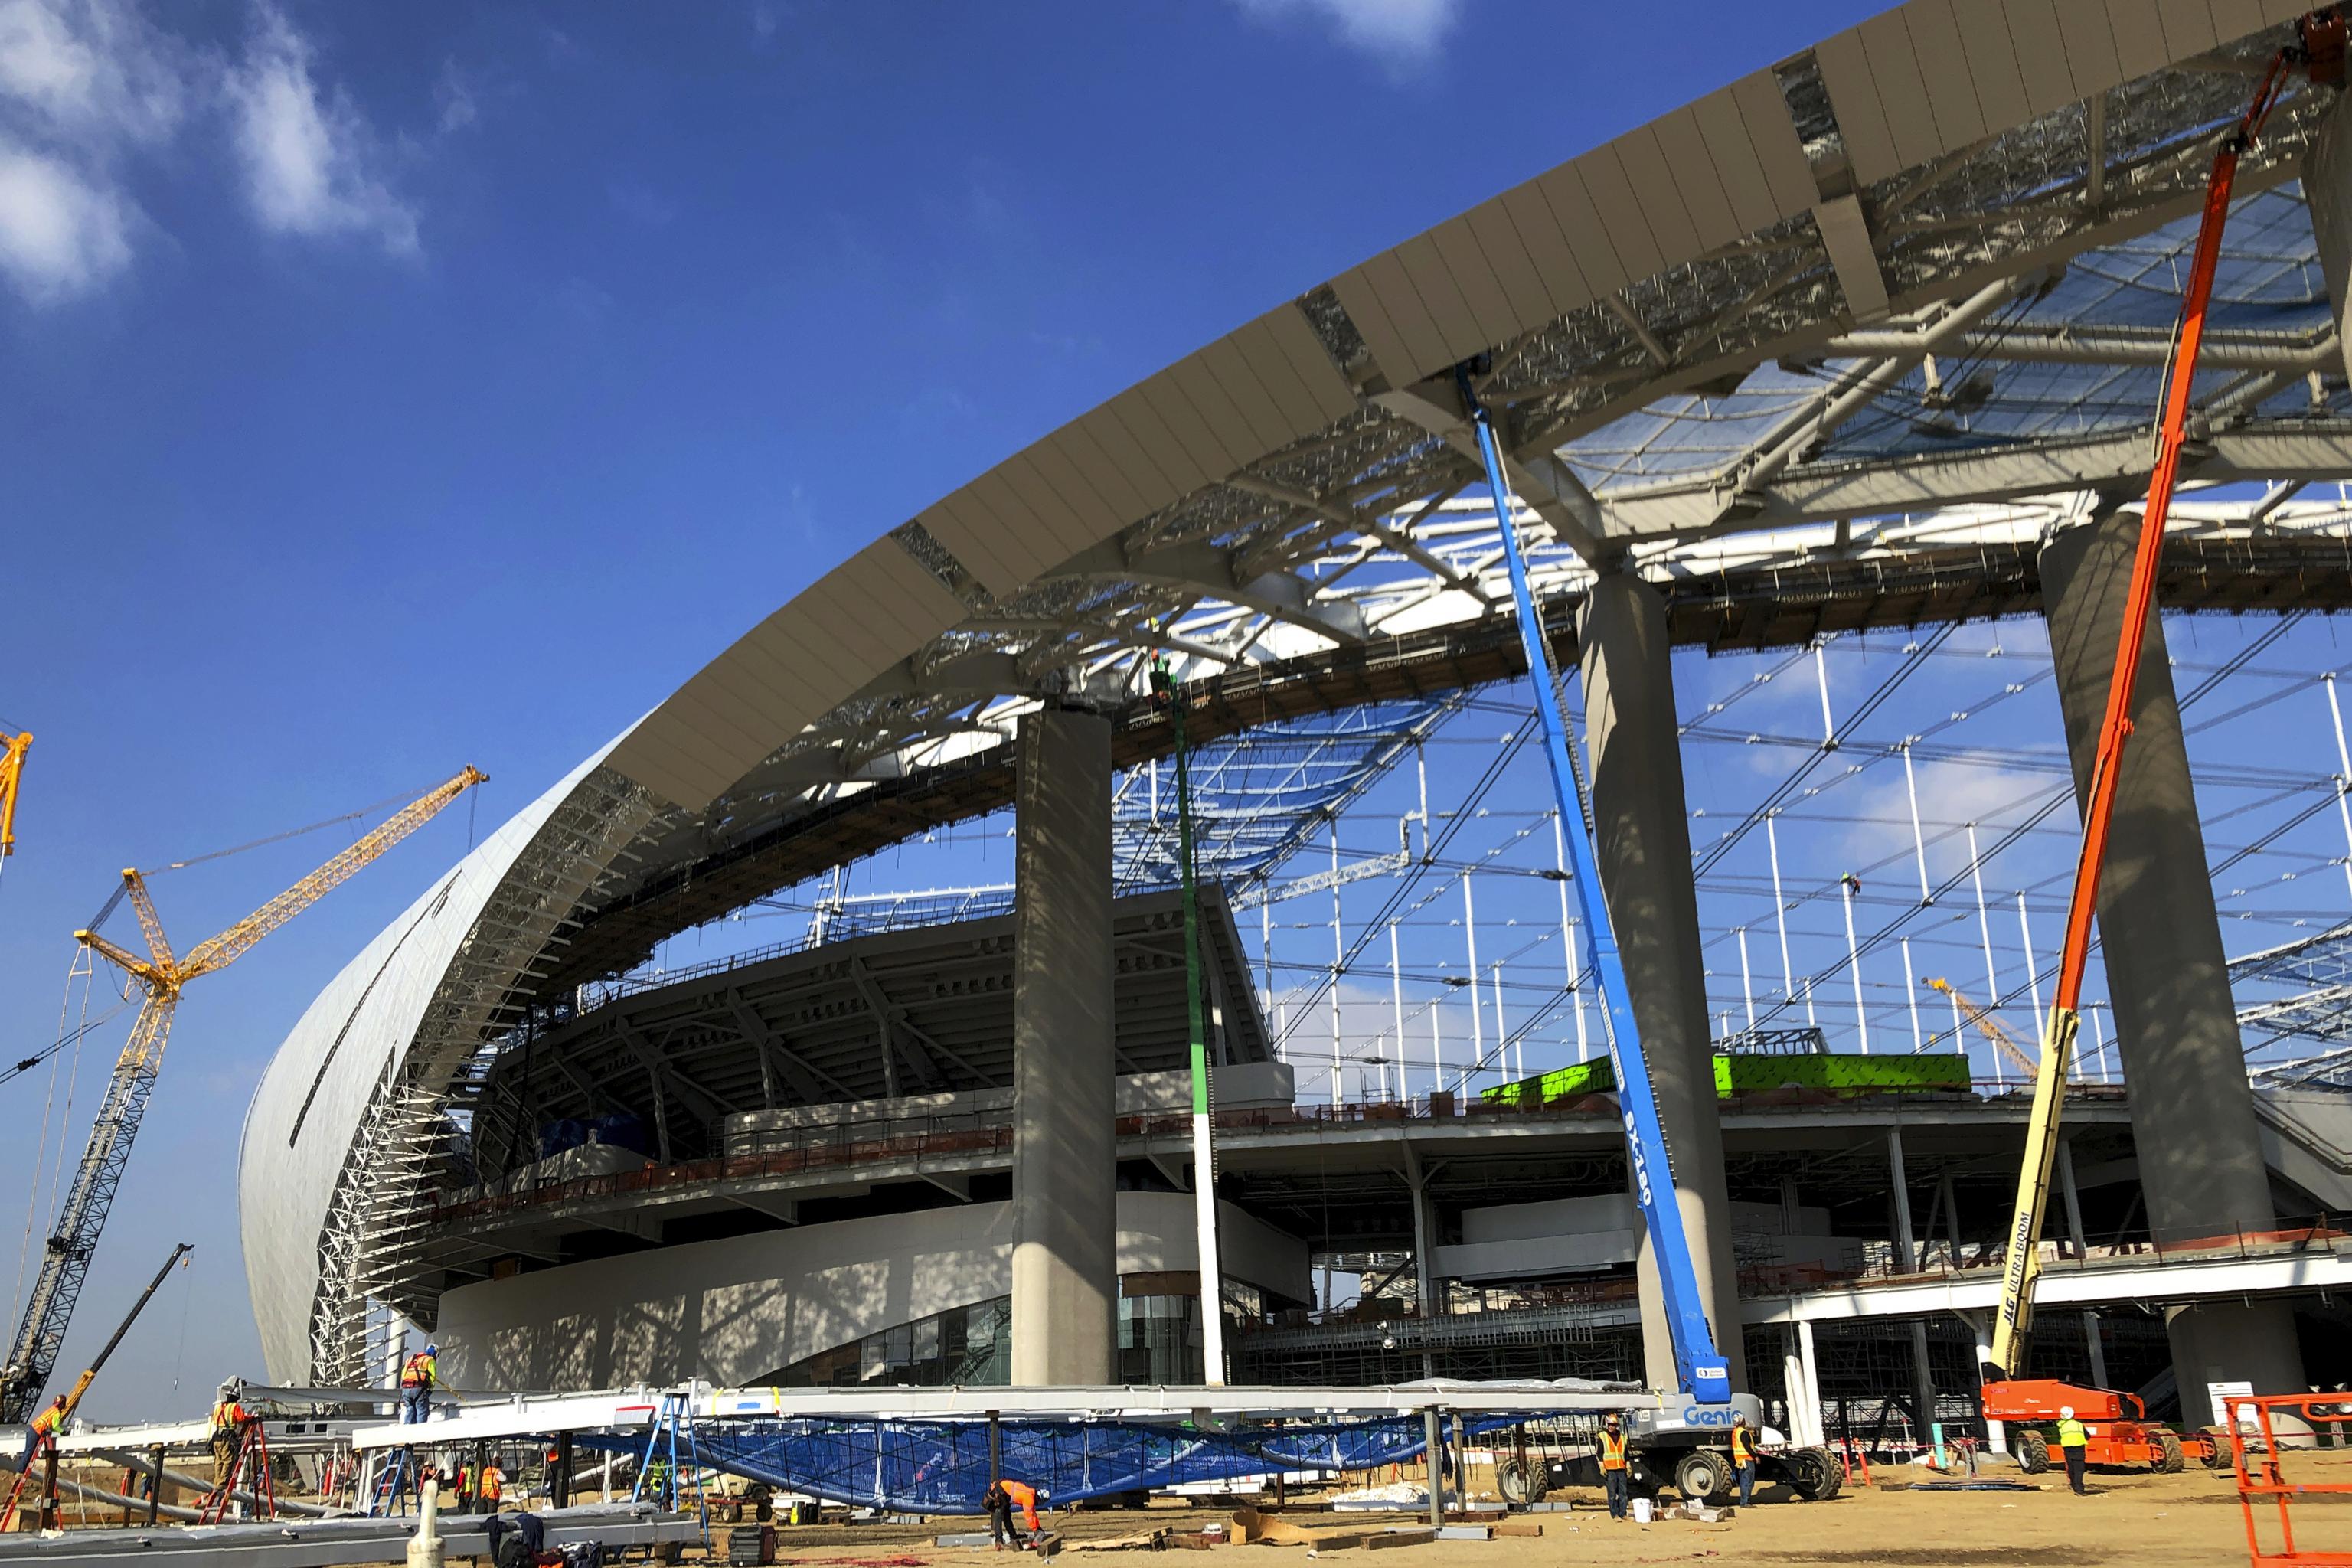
<point>2147,1521</point>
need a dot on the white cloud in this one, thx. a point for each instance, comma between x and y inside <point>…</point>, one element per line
<point>309,158</point>
<point>89,71</point>
<point>452,96</point>
<point>1398,32</point>
<point>60,234</point>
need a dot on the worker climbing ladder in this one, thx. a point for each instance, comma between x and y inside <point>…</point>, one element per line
<point>250,1466</point>
<point>42,1454</point>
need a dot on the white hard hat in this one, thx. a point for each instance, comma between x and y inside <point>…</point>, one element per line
<point>2067,1411</point>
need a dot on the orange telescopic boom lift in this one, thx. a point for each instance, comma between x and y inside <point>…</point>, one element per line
<point>2320,48</point>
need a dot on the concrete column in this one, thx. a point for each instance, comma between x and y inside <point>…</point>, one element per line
<point>1643,844</point>
<point>1805,1393</point>
<point>2201,1153</point>
<point>2328,188</point>
<point>1065,1166</point>
<point>1907,1244</point>
<point>2074,1198</point>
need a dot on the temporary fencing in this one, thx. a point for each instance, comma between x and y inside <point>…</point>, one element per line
<point>942,1467</point>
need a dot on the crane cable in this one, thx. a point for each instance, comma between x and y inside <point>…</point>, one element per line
<point>82,965</point>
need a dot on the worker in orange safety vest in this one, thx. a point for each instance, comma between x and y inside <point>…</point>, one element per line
<point>1003,1497</point>
<point>417,1377</point>
<point>44,1425</point>
<point>1612,1450</point>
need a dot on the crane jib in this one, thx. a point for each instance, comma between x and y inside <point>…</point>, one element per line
<point>1703,1372</point>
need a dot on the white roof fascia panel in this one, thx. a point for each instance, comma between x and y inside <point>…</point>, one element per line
<point>1237,381</point>
<point>1206,397</point>
<point>1464,260</point>
<point>1497,239</point>
<point>1288,330</point>
<point>1600,255</point>
<point>2188,27</point>
<point>1943,64</point>
<point>1186,425</point>
<point>1853,95</point>
<point>1391,349</point>
<point>2041,48</point>
<point>1698,173</point>
<point>1430,277</point>
<point>1991,57</point>
<point>1787,176</point>
<point>1621,213</point>
<point>2091,56</point>
<point>1902,89</point>
<point>975,542</point>
<point>1657,186</point>
<point>1531,218</point>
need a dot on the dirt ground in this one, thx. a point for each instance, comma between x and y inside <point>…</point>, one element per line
<point>2149,1521</point>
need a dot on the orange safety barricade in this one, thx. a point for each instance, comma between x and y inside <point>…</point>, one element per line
<point>2262,1478</point>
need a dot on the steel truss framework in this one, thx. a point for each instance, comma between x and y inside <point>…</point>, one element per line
<point>1867,415</point>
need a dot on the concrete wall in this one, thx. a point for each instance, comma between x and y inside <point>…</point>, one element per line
<point>741,1307</point>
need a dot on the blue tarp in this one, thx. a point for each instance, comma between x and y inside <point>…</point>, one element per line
<point>941,1467</point>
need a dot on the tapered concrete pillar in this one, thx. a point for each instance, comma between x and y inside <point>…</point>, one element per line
<point>1065,1166</point>
<point>1643,843</point>
<point>2327,190</point>
<point>2200,1152</point>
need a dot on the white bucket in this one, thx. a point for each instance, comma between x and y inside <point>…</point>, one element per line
<point>1640,1510</point>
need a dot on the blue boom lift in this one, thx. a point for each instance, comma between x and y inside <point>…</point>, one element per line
<point>1683,1437</point>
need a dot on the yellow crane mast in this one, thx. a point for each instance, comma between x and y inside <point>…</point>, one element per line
<point>163,977</point>
<point>1989,1027</point>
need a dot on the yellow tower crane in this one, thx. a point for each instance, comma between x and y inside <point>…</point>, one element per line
<point>161,975</point>
<point>1989,1027</point>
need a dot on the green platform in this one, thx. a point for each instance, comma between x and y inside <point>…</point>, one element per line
<point>1834,1073</point>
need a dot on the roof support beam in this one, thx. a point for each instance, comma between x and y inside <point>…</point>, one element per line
<point>808,1079</point>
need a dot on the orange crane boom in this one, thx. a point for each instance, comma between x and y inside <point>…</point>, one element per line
<point>161,975</point>
<point>2320,46</point>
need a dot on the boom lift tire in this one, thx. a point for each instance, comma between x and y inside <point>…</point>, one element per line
<point>1814,1474</point>
<point>2217,1450</point>
<point>1519,1482</point>
<point>1703,1473</point>
<point>2169,1459</point>
<point>2032,1453</point>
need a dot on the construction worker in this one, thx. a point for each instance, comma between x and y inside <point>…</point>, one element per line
<point>1743,1457</point>
<point>44,1425</point>
<point>462,1490</point>
<point>2074,1443</point>
<point>228,1435</point>
<point>1003,1497</point>
<point>417,1377</point>
<point>490,1485</point>
<point>1612,1449</point>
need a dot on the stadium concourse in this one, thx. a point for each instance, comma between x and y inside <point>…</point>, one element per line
<point>828,1027</point>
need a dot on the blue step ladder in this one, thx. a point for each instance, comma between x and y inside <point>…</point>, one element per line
<point>675,1416</point>
<point>394,1484</point>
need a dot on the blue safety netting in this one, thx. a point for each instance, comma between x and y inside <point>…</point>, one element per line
<point>941,1467</point>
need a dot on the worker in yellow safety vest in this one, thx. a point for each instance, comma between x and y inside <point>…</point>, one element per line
<point>417,1377</point>
<point>2075,1442</point>
<point>1612,1450</point>
<point>1743,1457</point>
<point>228,1432</point>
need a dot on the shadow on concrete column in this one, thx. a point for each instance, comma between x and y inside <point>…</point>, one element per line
<point>1065,1154</point>
<point>2192,1112</point>
<point>1643,833</point>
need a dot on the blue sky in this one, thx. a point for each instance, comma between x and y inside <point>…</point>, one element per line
<point>394,388</point>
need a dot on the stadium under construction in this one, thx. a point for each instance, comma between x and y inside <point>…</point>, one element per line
<point>1833,386</point>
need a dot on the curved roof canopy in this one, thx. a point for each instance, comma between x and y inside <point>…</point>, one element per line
<point>1830,346</point>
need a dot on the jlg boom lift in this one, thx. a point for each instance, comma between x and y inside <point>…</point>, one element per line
<point>2319,50</point>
